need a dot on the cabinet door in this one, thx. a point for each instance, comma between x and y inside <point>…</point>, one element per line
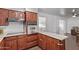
<point>10,43</point>
<point>54,44</point>
<point>3,21</point>
<point>22,40</point>
<point>3,17</point>
<point>32,38</point>
<point>50,43</point>
<point>20,15</point>
<point>3,13</point>
<point>12,14</point>
<point>2,45</point>
<point>42,41</point>
<point>31,17</point>
<point>35,17</point>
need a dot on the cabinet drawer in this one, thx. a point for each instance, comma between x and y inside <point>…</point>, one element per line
<point>32,38</point>
<point>31,44</point>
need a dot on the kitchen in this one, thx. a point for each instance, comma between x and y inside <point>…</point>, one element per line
<point>26,28</point>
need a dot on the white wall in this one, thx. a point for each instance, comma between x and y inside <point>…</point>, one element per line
<point>52,22</point>
<point>72,22</point>
<point>14,27</point>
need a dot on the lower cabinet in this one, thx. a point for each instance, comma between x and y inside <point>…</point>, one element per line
<point>2,45</point>
<point>32,41</point>
<point>31,44</point>
<point>22,41</point>
<point>55,44</point>
<point>42,41</point>
<point>10,43</point>
<point>49,43</point>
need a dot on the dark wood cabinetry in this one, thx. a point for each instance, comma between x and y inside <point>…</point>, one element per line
<point>32,38</point>
<point>22,40</point>
<point>31,17</point>
<point>21,15</point>
<point>10,43</point>
<point>42,41</point>
<point>49,43</point>
<point>12,14</point>
<point>54,44</point>
<point>19,42</point>
<point>16,14</point>
<point>3,17</point>
<point>2,45</point>
<point>32,41</point>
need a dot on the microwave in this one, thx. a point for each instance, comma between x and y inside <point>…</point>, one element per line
<point>32,29</point>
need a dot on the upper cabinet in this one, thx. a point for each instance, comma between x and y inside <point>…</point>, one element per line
<point>3,17</point>
<point>12,14</point>
<point>32,10</point>
<point>16,14</point>
<point>31,17</point>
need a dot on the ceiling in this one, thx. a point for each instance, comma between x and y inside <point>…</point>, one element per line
<point>58,11</point>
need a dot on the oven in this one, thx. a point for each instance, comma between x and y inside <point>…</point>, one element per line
<point>32,29</point>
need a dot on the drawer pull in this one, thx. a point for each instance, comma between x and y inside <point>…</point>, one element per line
<point>40,39</point>
<point>59,44</point>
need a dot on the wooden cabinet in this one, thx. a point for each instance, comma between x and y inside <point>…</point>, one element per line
<point>22,40</point>
<point>31,17</point>
<point>55,44</point>
<point>32,44</point>
<point>32,40</point>
<point>49,43</point>
<point>42,41</point>
<point>20,15</point>
<point>10,43</point>
<point>12,14</point>
<point>3,17</point>
<point>2,45</point>
<point>16,14</point>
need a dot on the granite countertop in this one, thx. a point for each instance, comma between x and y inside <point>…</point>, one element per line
<point>54,35</point>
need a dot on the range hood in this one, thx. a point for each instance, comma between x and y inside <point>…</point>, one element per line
<point>15,20</point>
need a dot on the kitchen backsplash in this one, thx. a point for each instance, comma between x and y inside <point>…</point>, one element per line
<point>15,27</point>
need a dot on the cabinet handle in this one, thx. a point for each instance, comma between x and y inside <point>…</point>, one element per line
<point>59,44</point>
<point>40,39</point>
